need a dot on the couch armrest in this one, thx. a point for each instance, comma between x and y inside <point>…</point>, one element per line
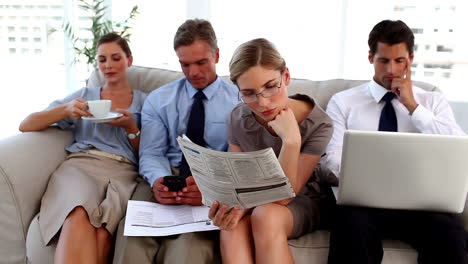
<point>26,162</point>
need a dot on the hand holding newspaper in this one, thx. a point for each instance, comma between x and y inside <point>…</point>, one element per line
<point>240,179</point>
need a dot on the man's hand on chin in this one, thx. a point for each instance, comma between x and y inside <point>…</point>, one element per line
<point>403,88</point>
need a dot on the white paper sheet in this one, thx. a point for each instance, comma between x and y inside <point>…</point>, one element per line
<point>153,219</point>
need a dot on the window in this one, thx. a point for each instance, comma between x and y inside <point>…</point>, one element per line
<point>404,8</point>
<point>430,65</point>
<point>442,48</point>
<point>428,74</point>
<point>312,51</point>
<point>28,48</point>
<point>440,65</point>
<point>157,39</point>
<point>446,65</point>
<point>319,41</point>
<point>301,40</point>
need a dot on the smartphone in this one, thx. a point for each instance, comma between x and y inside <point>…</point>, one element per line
<point>174,183</point>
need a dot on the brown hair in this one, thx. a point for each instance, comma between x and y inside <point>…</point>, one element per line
<point>252,53</point>
<point>114,37</point>
<point>195,29</point>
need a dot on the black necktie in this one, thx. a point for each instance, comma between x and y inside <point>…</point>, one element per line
<point>195,129</point>
<point>388,120</point>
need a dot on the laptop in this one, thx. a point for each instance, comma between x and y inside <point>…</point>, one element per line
<point>409,171</point>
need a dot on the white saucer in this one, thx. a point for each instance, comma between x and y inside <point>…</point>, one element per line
<point>111,116</point>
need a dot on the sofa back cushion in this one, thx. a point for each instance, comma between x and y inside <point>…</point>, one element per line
<point>147,79</point>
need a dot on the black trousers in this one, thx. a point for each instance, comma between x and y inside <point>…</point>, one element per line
<point>357,235</point>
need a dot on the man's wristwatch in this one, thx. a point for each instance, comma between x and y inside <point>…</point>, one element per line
<point>133,135</point>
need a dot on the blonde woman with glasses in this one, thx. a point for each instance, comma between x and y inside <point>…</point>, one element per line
<point>298,130</point>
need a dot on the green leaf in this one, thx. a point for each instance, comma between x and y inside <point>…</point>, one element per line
<point>95,10</point>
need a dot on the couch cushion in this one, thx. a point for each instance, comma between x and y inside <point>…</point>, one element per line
<point>26,162</point>
<point>322,91</point>
<point>11,228</point>
<point>313,248</point>
<point>36,251</point>
<point>148,79</point>
<point>140,78</point>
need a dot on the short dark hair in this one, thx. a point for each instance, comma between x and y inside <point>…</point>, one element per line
<point>391,32</point>
<point>114,37</point>
<point>195,29</point>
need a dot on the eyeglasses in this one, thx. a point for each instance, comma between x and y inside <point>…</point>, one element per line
<point>269,91</point>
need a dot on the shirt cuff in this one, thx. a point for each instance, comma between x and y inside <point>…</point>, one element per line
<point>333,163</point>
<point>156,175</point>
<point>421,117</point>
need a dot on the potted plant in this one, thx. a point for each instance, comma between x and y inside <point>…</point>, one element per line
<point>96,9</point>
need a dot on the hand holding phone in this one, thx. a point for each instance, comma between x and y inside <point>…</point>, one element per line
<point>174,183</point>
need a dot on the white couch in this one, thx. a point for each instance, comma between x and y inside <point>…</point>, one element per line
<point>27,160</point>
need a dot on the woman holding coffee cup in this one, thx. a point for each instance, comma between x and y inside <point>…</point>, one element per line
<point>87,195</point>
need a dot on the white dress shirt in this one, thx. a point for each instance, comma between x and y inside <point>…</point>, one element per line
<point>359,108</point>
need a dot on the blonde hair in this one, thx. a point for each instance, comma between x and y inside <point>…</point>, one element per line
<point>252,53</point>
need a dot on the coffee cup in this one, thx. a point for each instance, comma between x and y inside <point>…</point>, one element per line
<point>99,108</point>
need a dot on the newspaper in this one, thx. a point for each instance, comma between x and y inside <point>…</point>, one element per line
<point>153,219</point>
<point>241,179</point>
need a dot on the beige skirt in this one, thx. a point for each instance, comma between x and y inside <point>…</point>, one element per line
<point>102,186</point>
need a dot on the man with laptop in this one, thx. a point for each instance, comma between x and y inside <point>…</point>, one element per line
<point>390,102</point>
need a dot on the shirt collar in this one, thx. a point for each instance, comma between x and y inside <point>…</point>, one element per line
<point>97,93</point>
<point>377,91</point>
<point>209,91</point>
